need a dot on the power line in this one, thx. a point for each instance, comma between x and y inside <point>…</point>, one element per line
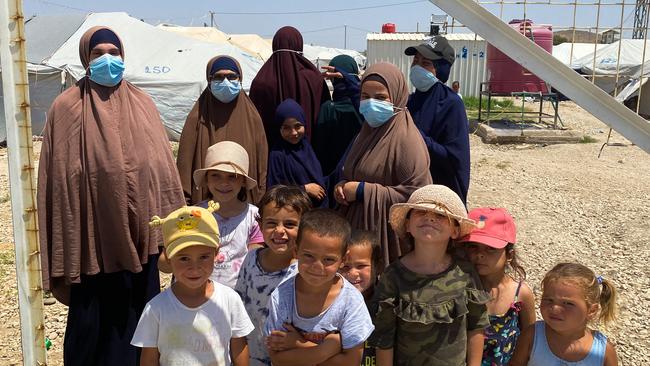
<point>64,6</point>
<point>327,29</point>
<point>319,11</point>
<point>322,29</point>
<point>361,29</point>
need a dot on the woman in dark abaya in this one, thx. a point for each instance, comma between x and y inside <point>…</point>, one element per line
<point>106,168</point>
<point>288,74</point>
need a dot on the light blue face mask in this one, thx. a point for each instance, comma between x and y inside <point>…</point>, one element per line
<point>376,112</point>
<point>107,70</point>
<point>421,78</point>
<point>226,91</point>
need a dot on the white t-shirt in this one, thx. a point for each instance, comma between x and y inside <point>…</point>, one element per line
<point>255,286</point>
<point>193,336</point>
<point>235,234</point>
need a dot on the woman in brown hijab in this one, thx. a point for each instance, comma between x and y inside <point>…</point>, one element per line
<point>222,113</point>
<point>387,161</point>
<point>105,169</point>
<point>287,74</point>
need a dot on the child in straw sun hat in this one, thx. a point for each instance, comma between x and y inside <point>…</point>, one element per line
<point>434,298</point>
<point>196,321</point>
<point>226,177</point>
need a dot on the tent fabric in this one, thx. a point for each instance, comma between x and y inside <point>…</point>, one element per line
<point>45,34</point>
<point>253,44</point>
<point>206,34</point>
<point>261,48</point>
<point>562,52</point>
<point>321,56</point>
<point>607,58</point>
<point>607,63</point>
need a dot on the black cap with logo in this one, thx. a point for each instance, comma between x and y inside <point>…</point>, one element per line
<point>434,49</point>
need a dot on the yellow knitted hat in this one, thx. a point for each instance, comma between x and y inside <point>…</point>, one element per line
<point>188,226</point>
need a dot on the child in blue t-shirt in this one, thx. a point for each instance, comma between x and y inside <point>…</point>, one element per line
<point>317,316</point>
<point>264,269</point>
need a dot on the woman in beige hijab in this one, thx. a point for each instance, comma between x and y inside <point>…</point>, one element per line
<point>105,169</point>
<point>223,112</point>
<point>387,161</point>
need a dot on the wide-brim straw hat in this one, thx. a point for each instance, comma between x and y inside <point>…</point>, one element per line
<point>435,198</point>
<point>226,156</point>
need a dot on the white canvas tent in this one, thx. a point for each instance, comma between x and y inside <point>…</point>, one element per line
<point>608,63</point>
<point>253,44</point>
<point>45,82</point>
<point>250,43</point>
<point>563,52</point>
<point>262,48</point>
<point>321,56</point>
<point>168,66</point>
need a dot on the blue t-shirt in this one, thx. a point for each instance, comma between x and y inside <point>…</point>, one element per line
<point>347,315</point>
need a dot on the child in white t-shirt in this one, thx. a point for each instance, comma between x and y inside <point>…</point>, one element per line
<point>318,317</point>
<point>196,321</point>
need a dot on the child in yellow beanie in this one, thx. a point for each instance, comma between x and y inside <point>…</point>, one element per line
<point>196,321</point>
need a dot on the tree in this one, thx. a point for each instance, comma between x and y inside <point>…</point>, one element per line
<point>558,39</point>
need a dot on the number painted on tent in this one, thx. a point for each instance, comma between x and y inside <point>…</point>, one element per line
<point>157,69</point>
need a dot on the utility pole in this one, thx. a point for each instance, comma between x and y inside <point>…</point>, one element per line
<point>345,36</point>
<point>15,87</point>
<point>211,19</point>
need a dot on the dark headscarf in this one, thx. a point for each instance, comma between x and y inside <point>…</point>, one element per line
<point>443,67</point>
<point>291,164</point>
<point>104,35</point>
<point>211,121</point>
<point>287,74</point>
<point>106,168</point>
<point>391,159</point>
<point>347,88</point>
<point>440,116</point>
<point>339,120</point>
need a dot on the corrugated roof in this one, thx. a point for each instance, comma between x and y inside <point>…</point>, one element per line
<point>419,36</point>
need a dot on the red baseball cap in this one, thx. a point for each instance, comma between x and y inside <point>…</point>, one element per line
<point>496,228</point>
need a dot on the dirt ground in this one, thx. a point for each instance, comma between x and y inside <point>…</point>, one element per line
<point>569,205</point>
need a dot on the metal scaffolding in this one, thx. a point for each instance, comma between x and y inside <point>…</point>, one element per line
<point>583,92</point>
<point>640,19</point>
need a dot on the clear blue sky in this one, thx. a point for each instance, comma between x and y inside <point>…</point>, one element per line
<point>324,28</point>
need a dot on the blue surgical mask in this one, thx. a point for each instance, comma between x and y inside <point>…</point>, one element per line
<point>421,78</point>
<point>107,70</point>
<point>376,112</point>
<point>226,91</point>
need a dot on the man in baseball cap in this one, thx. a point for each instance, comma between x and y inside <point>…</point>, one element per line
<point>435,48</point>
<point>439,113</point>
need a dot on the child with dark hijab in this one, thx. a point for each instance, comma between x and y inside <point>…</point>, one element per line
<point>292,160</point>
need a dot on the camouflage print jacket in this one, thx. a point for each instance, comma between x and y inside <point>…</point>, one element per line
<point>425,318</point>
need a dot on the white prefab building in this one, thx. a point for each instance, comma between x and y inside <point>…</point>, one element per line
<point>468,69</point>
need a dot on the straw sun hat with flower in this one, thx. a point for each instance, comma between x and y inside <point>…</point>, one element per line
<point>435,198</point>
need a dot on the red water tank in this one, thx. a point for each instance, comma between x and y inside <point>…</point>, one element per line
<point>505,74</point>
<point>388,28</point>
